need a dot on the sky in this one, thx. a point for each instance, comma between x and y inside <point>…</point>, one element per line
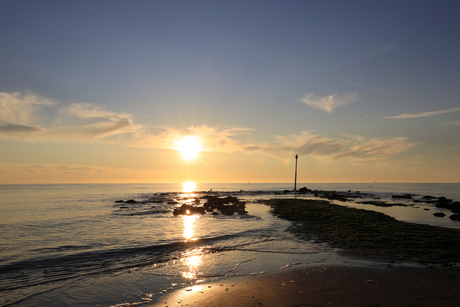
<point>229,91</point>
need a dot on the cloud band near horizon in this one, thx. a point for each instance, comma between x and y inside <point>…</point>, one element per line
<point>18,122</point>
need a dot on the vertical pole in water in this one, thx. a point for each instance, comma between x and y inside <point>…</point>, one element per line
<point>295,182</point>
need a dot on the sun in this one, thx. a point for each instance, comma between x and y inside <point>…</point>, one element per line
<point>189,147</point>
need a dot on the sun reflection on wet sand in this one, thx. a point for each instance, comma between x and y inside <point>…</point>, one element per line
<point>193,263</point>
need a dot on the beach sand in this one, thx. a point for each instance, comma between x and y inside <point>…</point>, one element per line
<point>327,285</point>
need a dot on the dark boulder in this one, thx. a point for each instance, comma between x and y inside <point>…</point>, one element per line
<point>455,217</point>
<point>453,206</point>
<point>405,196</point>
<point>188,210</point>
<point>439,214</point>
<point>304,190</point>
<point>232,209</point>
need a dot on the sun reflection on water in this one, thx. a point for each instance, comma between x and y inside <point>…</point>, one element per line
<point>189,226</point>
<point>189,186</point>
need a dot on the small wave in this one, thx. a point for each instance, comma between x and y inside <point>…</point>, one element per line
<point>37,271</point>
<point>150,212</point>
<point>68,248</point>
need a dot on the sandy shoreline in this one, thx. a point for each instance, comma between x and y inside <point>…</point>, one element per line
<point>326,285</point>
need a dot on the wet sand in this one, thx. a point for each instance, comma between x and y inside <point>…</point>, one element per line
<point>327,285</point>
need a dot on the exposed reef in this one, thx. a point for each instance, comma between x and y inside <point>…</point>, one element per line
<point>439,202</point>
<point>369,232</point>
<point>227,203</point>
<point>214,203</point>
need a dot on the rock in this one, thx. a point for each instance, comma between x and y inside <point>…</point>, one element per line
<point>232,209</point>
<point>227,205</point>
<point>428,197</point>
<point>405,196</point>
<point>189,210</point>
<point>335,196</point>
<point>131,201</point>
<point>304,190</point>
<point>439,214</point>
<point>119,201</point>
<point>453,206</point>
<point>455,217</point>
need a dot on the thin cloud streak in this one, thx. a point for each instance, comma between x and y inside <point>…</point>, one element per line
<point>329,103</point>
<point>452,124</point>
<point>87,110</point>
<point>19,129</point>
<point>354,149</point>
<point>424,114</point>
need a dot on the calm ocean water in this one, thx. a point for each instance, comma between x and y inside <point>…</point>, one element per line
<point>70,244</point>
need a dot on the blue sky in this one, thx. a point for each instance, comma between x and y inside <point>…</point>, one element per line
<point>100,91</point>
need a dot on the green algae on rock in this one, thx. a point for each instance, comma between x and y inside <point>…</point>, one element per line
<point>369,232</point>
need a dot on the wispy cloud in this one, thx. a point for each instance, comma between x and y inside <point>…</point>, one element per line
<point>424,114</point>
<point>19,120</point>
<point>84,122</point>
<point>329,103</point>
<point>437,152</point>
<point>452,124</point>
<point>383,49</point>
<point>354,149</point>
<point>86,110</point>
<point>17,108</point>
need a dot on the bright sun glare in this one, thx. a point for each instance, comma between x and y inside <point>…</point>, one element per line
<point>189,186</point>
<point>189,147</point>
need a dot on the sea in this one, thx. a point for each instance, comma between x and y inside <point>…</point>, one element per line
<point>121,245</point>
